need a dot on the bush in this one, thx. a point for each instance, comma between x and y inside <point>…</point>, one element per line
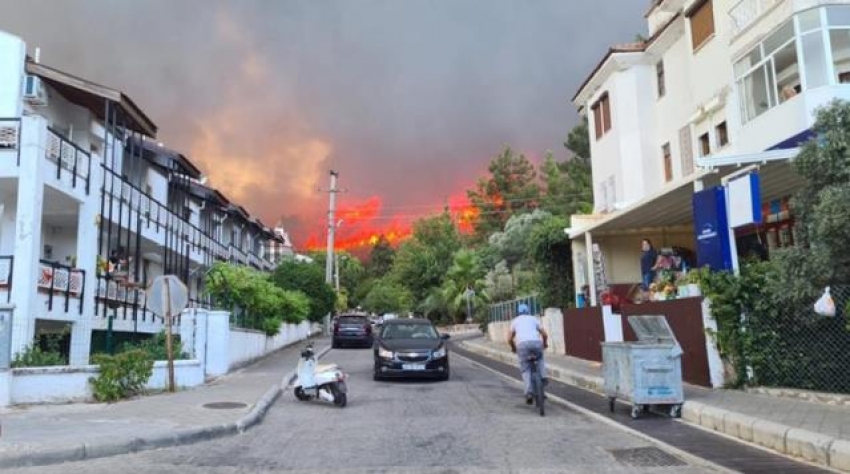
<point>122,375</point>
<point>42,355</point>
<point>156,348</point>
<point>33,356</point>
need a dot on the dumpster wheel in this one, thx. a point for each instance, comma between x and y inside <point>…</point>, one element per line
<point>676,411</point>
<point>611,403</point>
<point>636,411</point>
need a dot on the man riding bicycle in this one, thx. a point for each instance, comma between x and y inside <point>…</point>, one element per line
<point>528,337</point>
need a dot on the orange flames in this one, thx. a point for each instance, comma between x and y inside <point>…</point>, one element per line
<point>362,224</point>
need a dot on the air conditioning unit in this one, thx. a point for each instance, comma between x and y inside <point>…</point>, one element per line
<point>34,91</point>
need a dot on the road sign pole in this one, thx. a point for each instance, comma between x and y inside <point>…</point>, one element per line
<point>168,342</point>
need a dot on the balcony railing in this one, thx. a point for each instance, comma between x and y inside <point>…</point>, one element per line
<point>7,262</point>
<point>745,12</point>
<point>68,157</point>
<point>10,136</point>
<point>154,214</point>
<point>62,282</point>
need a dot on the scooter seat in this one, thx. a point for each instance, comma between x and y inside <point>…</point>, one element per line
<point>326,367</point>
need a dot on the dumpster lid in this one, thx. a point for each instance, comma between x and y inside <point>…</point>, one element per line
<point>652,328</point>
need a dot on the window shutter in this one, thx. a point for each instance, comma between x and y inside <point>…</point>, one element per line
<point>702,23</point>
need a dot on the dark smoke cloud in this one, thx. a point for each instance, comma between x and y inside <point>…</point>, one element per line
<point>407,99</point>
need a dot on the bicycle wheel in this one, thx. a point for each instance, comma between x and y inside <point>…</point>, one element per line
<point>537,386</point>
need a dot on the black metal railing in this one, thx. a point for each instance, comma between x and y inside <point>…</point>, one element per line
<point>7,263</point>
<point>10,136</point>
<point>62,281</point>
<point>155,214</point>
<point>68,157</point>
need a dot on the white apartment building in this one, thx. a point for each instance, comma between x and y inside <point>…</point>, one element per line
<point>92,208</point>
<point>719,84</point>
<point>280,247</point>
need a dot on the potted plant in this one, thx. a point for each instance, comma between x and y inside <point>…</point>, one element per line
<point>692,280</point>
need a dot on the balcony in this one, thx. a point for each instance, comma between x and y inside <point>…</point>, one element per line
<point>137,211</point>
<point>10,136</point>
<point>6,264</point>
<point>60,285</point>
<point>746,12</point>
<point>71,163</point>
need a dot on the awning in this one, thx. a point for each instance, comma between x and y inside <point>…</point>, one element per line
<point>671,206</point>
<point>668,207</point>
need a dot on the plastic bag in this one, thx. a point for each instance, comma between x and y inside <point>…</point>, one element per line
<point>825,306</point>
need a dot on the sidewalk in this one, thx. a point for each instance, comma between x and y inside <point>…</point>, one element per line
<point>47,434</point>
<point>813,431</point>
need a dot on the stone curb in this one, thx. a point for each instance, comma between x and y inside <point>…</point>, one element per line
<point>810,446</point>
<point>62,454</point>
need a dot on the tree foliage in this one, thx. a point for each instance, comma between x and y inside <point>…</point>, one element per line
<point>309,279</point>
<point>551,253</point>
<point>266,306</point>
<point>422,261</point>
<point>387,296</point>
<point>464,274</point>
<point>822,207</point>
<point>511,245</point>
<point>381,258</point>
<point>511,188</point>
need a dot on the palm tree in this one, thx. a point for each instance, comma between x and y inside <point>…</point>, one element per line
<point>465,274</point>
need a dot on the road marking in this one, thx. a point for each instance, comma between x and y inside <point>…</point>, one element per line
<point>694,460</point>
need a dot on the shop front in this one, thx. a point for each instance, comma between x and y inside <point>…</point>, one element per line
<point>607,255</point>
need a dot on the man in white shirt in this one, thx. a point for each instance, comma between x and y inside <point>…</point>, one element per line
<point>528,337</point>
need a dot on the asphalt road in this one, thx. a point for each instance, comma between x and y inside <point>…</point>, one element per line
<point>476,422</point>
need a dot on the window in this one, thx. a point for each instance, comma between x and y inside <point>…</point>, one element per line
<point>769,74</point>
<point>602,115</point>
<point>702,23</point>
<point>840,45</point>
<point>668,162</point>
<point>722,134</point>
<point>704,145</point>
<point>659,75</point>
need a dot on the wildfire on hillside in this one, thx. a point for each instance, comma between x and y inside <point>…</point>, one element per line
<point>362,224</point>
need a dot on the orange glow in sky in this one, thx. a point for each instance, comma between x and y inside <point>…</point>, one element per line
<point>363,223</point>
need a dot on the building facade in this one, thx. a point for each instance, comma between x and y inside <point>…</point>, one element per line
<point>92,209</point>
<point>717,86</point>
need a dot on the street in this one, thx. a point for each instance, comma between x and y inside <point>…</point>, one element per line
<point>477,421</point>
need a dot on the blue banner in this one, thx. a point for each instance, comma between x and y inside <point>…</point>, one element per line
<point>711,229</point>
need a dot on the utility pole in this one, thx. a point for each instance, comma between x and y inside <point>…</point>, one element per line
<point>336,262</point>
<point>329,261</point>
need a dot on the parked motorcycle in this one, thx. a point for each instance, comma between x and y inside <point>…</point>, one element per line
<point>324,382</point>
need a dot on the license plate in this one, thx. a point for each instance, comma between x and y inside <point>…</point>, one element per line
<point>413,366</point>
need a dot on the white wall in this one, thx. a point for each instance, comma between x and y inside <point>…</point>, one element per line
<point>187,373</point>
<point>12,55</point>
<point>52,384</point>
<point>63,240</point>
<point>71,384</point>
<point>69,120</point>
<point>159,186</point>
<point>246,345</point>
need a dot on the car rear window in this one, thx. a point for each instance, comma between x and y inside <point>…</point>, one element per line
<point>409,331</point>
<point>352,320</point>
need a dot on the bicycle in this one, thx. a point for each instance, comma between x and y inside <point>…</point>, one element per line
<point>537,383</point>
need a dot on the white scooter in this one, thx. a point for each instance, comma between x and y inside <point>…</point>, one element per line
<point>325,382</point>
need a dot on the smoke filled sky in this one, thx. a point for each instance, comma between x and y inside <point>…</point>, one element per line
<point>407,99</point>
